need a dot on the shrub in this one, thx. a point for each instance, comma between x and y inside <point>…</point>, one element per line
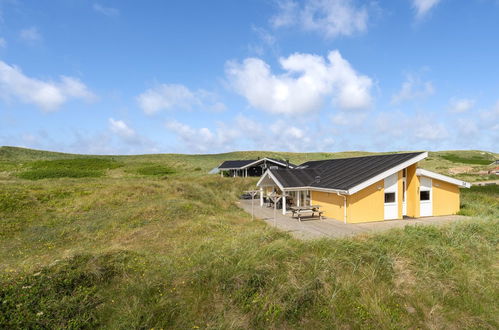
<point>155,170</point>
<point>68,168</point>
<point>82,164</point>
<point>480,201</point>
<point>58,173</point>
<point>64,295</point>
<point>475,160</point>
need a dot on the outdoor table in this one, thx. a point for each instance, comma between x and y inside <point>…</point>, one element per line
<point>298,210</point>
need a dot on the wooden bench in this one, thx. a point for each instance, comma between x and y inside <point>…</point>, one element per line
<point>299,211</point>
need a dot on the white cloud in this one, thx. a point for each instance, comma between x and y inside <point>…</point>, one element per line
<point>490,119</point>
<point>419,129</point>
<point>331,18</point>
<point>3,43</point>
<point>30,34</point>
<point>266,40</point>
<point>165,97</point>
<point>308,80</point>
<point>243,133</point>
<point>288,11</point>
<point>203,139</point>
<point>108,11</point>
<point>461,105</point>
<point>413,88</point>
<point>429,130</point>
<point>264,35</point>
<point>349,119</point>
<point>47,95</point>
<point>130,137</point>
<point>121,128</point>
<point>467,128</point>
<point>171,96</point>
<point>423,7</point>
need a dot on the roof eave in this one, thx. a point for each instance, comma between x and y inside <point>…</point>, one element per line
<point>328,190</point>
<point>387,173</point>
<point>441,177</point>
<point>269,173</point>
<point>267,159</point>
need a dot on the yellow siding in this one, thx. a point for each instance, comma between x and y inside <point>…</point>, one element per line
<point>412,198</point>
<point>331,204</point>
<point>445,198</point>
<point>367,204</point>
<point>400,198</point>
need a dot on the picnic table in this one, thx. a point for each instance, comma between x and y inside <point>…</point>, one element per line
<point>299,210</point>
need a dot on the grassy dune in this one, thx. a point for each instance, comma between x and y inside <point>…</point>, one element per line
<point>154,242</point>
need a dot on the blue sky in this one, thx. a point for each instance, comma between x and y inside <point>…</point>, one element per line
<point>128,77</point>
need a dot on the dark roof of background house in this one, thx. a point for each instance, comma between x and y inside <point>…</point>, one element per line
<point>236,163</point>
<point>341,173</point>
<point>242,163</point>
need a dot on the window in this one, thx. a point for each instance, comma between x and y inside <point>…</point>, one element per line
<point>424,195</point>
<point>306,196</point>
<point>404,173</point>
<point>390,197</point>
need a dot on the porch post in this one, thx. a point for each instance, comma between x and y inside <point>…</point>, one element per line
<point>261,196</point>
<point>283,203</point>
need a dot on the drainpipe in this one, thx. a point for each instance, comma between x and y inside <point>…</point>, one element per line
<point>344,207</point>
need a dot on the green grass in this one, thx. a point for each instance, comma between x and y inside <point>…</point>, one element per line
<point>474,160</point>
<point>39,174</point>
<point>68,168</point>
<point>154,169</point>
<point>137,251</point>
<point>65,294</point>
<point>480,201</point>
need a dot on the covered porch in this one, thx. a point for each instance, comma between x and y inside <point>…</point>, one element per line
<point>285,199</point>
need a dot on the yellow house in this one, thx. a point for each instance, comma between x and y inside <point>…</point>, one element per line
<point>364,189</point>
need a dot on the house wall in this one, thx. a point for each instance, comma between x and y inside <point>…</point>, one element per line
<point>367,204</point>
<point>445,198</point>
<point>412,192</point>
<point>268,190</point>
<point>400,198</point>
<point>331,204</point>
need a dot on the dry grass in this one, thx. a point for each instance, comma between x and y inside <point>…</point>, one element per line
<point>132,251</point>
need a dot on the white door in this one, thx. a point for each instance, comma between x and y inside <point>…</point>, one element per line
<point>425,197</point>
<point>391,204</point>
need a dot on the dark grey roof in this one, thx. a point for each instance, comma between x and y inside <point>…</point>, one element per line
<point>234,164</point>
<point>295,177</point>
<point>282,161</point>
<point>341,173</point>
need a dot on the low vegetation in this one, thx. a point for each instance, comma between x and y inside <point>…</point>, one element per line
<point>147,251</point>
<point>68,168</point>
<point>154,169</point>
<point>474,160</point>
<point>480,201</point>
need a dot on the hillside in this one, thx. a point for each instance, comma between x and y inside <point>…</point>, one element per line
<point>153,241</point>
<point>463,164</point>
